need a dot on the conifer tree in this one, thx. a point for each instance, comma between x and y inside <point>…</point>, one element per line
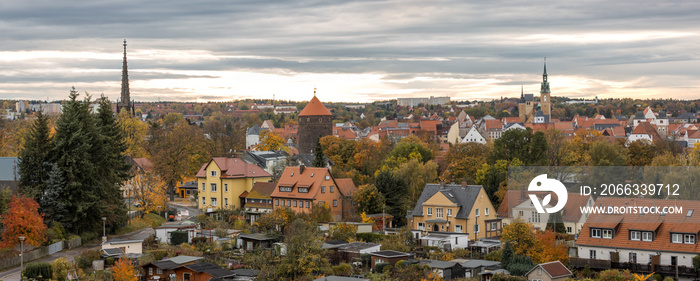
<point>319,158</point>
<point>34,158</point>
<point>52,206</point>
<point>76,135</point>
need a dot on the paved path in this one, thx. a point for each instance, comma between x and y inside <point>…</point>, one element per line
<point>70,255</point>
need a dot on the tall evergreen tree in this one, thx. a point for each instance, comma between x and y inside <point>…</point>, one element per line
<point>35,161</point>
<point>76,135</point>
<point>319,158</point>
<point>108,156</point>
<point>394,190</point>
<point>52,206</point>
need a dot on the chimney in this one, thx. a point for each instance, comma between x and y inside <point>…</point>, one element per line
<point>442,184</point>
<point>464,184</point>
<point>301,169</point>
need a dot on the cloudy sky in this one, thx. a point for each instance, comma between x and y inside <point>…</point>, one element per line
<point>355,51</point>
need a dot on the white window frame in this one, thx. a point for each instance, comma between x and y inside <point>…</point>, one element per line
<point>438,213</point>
<point>214,201</point>
<point>226,202</point>
<point>593,254</point>
<point>477,212</point>
<point>204,186</point>
<point>635,235</point>
<point>335,202</point>
<point>476,228</point>
<point>430,211</point>
<point>458,228</point>
<point>676,238</point>
<point>449,212</point>
<point>213,187</point>
<point>226,187</point>
<point>421,226</point>
<point>607,233</point>
<point>204,201</point>
<point>277,202</point>
<point>486,212</point>
<point>689,238</point>
<point>647,236</point>
<point>494,225</point>
<point>213,173</point>
<point>596,233</point>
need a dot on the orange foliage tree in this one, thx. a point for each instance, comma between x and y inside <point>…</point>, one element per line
<point>149,190</point>
<point>539,246</point>
<point>123,270</point>
<point>23,219</point>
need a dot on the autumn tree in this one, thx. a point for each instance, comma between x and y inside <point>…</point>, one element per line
<point>177,149</point>
<point>304,254</point>
<point>35,158</point>
<point>408,148</point>
<point>342,231</point>
<point>369,200</point>
<point>528,147</point>
<point>124,270</point>
<point>463,161</point>
<point>394,190</point>
<point>134,134</point>
<point>149,190</point>
<point>494,179</point>
<point>270,141</point>
<point>416,174</point>
<point>23,219</point>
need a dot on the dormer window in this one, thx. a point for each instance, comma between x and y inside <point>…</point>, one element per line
<point>647,236</point>
<point>213,173</point>
<point>285,189</point>
<point>595,233</point>
<point>635,235</point>
<point>689,239</point>
<point>607,233</point>
<point>677,238</point>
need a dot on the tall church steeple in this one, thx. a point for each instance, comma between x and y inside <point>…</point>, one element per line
<point>545,101</point>
<point>125,101</point>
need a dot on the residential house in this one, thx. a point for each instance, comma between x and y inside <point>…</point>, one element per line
<point>492,129</point>
<point>258,201</point>
<point>644,131</point>
<point>202,271</point>
<point>517,205</point>
<point>163,233</point>
<point>186,189</point>
<point>455,208</point>
<point>243,274</point>
<point>165,269</point>
<point>300,188</point>
<point>9,175</point>
<point>252,241</point>
<point>551,271</point>
<point>472,268</point>
<point>445,269</point>
<point>352,251</point>
<point>347,190</point>
<point>131,248</point>
<point>272,162</point>
<point>473,135</point>
<point>223,180</point>
<point>389,256</point>
<point>445,240</point>
<point>252,136</point>
<point>661,242</point>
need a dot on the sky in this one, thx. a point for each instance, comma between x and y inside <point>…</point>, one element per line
<point>350,51</point>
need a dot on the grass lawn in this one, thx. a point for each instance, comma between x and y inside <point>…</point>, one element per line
<point>148,220</point>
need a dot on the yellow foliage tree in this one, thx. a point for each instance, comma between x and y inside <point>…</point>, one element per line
<point>149,190</point>
<point>134,134</point>
<point>123,270</point>
<point>270,141</point>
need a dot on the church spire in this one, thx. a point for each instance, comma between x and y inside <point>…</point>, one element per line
<point>125,98</point>
<point>544,74</point>
<point>545,85</point>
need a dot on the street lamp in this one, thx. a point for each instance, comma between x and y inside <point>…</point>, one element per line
<point>104,232</point>
<point>21,251</point>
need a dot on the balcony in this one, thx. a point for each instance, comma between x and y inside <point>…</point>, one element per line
<point>670,270</point>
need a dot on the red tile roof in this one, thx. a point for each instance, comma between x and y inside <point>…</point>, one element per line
<point>143,163</point>
<point>312,178</point>
<point>663,225</point>
<point>232,168</point>
<point>315,108</point>
<point>346,186</point>
<point>645,128</point>
<point>554,269</point>
<point>493,124</point>
<point>262,190</point>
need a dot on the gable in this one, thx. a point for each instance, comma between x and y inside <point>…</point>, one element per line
<point>439,199</point>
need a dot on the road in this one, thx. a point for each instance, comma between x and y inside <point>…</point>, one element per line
<point>70,255</point>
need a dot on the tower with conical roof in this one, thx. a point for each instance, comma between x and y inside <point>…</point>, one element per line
<point>315,122</point>
<point>125,101</point>
<point>545,102</point>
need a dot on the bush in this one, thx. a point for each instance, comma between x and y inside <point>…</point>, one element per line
<point>178,237</point>
<point>493,256</point>
<point>657,277</point>
<point>34,269</point>
<point>110,261</point>
<point>86,257</point>
<point>403,264</point>
<point>60,268</point>
<point>199,240</point>
<point>379,268</point>
<point>365,258</point>
<point>370,237</point>
<point>88,236</point>
<point>504,277</point>
<point>343,269</point>
<point>158,254</point>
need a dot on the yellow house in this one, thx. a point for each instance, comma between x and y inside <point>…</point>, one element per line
<point>455,209</point>
<point>224,182</point>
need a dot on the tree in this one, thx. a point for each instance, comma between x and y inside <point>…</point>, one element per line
<point>23,219</point>
<point>269,141</point>
<point>304,254</point>
<point>528,147</point>
<point>520,236</point>
<point>134,134</point>
<point>124,270</point>
<point>35,158</point>
<point>556,223</point>
<point>61,268</point>
<point>321,212</point>
<point>319,158</point>
<point>604,153</point>
<point>416,174</point>
<point>394,189</point>
<point>494,179</point>
<point>408,148</point>
<point>176,149</point>
<point>342,231</point>
<point>368,199</point>
<point>463,161</point>
<point>52,206</point>
<point>149,191</point>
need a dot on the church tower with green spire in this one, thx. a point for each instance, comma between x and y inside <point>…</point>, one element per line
<point>545,101</point>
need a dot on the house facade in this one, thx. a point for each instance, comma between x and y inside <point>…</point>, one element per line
<point>551,271</point>
<point>222,181</point>
<point>517,205</point>
<point>454,208</point>
<point>301,188</point>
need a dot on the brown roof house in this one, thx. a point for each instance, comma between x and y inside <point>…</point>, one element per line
<point>258,201</point>
<point>551,271</point>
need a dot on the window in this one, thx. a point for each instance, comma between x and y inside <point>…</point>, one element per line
<point>689,239</point>
<point>569,230</point>
<point>204,200</point>
<point>295,203</point>
<point>595,233</point>
<point>449,212</point>
<point>186,277</point>
<point>476,228</point>
<point>277,202</point>
<point>213,187</point>
<point>593,254</point>
<point>335,203</point>
<point>635,235</point>
<point>539,271</point>
<point>188,192</point>
<point>332,188</point>
<point>647,236</point>
<point>289,203</point>
<point>494,226</point>
<point>677,238</point>
<point>213,173</point>
<point>323,189</point>
<point>282,202</point>
<point>328,178</point>
<point>438,212</point>
<point>520,213</point>
<point>477,212</point>
<point>159,271</point>
<point>607,233</point>
<point>421,226</point>
<point>307,204</point>
<point>285,189</point>
<point>430,211</point>
<point>303,190</point>
<point>213,201</point>
<point>458,228</point>
<point>150,271</point>
<point>633,258</point>
<point>225,202</point>
<point>226,187</point>
<point>204,186</point>
<point>486,212</point>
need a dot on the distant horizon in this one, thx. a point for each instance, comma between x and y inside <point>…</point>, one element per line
<point>349,50</point>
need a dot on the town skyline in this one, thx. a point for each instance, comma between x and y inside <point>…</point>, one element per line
<point>349,51</point>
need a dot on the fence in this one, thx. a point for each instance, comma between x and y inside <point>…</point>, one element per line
<point>40,253</point>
